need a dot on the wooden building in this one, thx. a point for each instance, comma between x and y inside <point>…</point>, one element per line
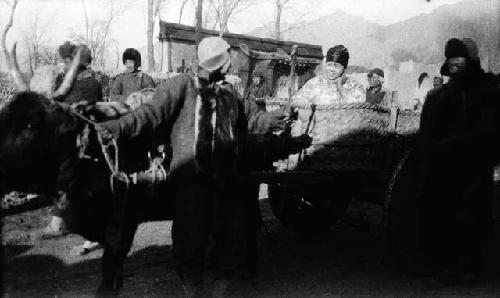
<point>178,49</point>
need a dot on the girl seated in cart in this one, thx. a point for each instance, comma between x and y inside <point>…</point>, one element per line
<point>332,86</point>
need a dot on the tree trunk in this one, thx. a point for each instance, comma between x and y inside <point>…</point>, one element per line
<point>182,10</point>
<point>151,61</point>
<point>86,22</point>
<point>199,20</point>
<point>277,21</point>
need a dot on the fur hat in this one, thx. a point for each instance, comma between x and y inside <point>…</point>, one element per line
<point>132,54</point>
<point>376,71</point>
<point>67,50</point>
<point>258,74</point>
<point>455,48</point>
<point>86,55</point>
<point>212,53</point>
<point>339,54</point>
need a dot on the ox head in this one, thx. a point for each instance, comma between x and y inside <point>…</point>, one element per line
<point>35,134</point>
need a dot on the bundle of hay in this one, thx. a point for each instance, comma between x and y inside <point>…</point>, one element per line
<point>7,92</point>
<point>115,109</point>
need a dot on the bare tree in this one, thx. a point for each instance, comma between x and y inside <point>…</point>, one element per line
<point>280,5</point>
<point>12,9</point>
<point>224,9</point>
<point>153,13</point>
<point>97,31</point>
<point>151,62</point>
<point>199,22</point>
<point>36,45</point>
<point>181,11</point>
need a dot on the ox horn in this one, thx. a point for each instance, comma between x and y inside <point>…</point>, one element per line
<point>14,71</point>
<point>11,59</point>
<point>70,75</point>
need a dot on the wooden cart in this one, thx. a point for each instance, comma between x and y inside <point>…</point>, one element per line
<point>356,148</point>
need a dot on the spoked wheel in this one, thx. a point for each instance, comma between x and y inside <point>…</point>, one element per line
<point>305,209</point>
<point>402,219</point>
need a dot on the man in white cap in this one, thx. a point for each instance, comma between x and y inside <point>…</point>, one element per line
<point>207,127</point>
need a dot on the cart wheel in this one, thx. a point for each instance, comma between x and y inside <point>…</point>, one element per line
<point>304,209</point>
<point>401,214</point>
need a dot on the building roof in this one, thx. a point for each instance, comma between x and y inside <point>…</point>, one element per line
<point>186,34</point>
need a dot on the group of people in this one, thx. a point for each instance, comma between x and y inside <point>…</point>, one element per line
<point>458,147</point>
<point>331,86</point>
<point>85,92</point>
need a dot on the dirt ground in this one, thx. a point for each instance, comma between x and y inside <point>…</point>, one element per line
<point>339,262</point>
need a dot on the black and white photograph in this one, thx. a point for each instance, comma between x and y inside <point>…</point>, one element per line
<point>250,148</point>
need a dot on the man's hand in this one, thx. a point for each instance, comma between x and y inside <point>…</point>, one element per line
<point>296,144</point>
<point>274,121</point>
<point>105,135</point>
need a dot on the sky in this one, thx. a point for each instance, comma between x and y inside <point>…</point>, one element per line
<point>63,18</point>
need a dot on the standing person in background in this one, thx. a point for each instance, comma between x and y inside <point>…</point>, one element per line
<point>376,94</point>
<point>437,82</point>
<point>423,86</point>
<point>258,90</point>
<point>132,79</point>
<point>84,92</point>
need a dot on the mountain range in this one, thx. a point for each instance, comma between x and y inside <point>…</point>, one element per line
<point>421,38</point>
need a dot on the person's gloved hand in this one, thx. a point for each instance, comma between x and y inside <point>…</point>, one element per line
<point>274,121</point>
<point>296,144</point>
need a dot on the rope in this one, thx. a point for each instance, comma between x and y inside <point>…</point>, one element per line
<point>112,165</point>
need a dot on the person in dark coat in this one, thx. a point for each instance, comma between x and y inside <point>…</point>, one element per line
<point>258,91</point>
<point>459,146</point>
<point>84,91</point>
<point>207,127</point>
<point>375,93</point>
<point>132,79</point>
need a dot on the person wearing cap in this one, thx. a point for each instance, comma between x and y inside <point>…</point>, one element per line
<point>458,148</point>
<point>85,91</point>
<point>258,91</point>
<point>206,168</point>
<point>332,86</point>
<point>437,82</point>
<point>132,79</point>
<point>375,94</point>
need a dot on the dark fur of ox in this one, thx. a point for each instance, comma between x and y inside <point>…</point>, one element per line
<point>39,153</point>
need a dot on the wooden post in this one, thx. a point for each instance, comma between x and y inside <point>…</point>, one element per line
<point>169,67</point>
<point>392,129</point>
<point>161,55</point>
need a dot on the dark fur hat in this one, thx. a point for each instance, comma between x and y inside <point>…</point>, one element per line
<point>339,54</point>
<point>376,71</point>
<point>455,48</point>
<point>86,55</point>
<point>132,54</point>
<point>67,50</point>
